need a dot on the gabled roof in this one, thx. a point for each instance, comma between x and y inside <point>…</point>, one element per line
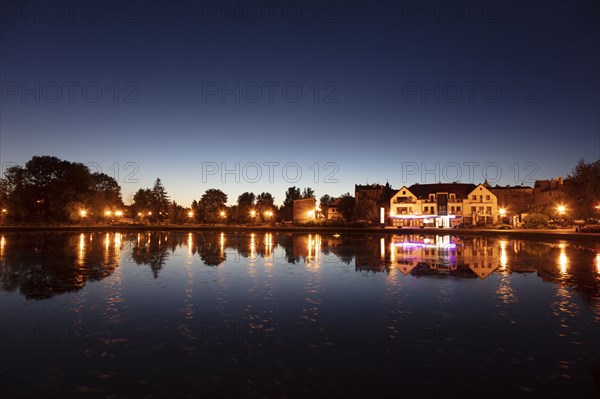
<point>461,190</point>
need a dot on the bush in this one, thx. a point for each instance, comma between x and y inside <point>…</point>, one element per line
<point>535,221</point>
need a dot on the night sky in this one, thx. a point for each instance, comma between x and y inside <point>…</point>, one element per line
<point>371,91</point>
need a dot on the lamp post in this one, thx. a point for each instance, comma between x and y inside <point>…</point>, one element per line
<point>561,212</point>
<point>502,213</point>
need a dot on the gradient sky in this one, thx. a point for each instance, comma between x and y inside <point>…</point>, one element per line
<point>387,75</point>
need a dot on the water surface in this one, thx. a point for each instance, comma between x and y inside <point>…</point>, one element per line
<point>209,314</point>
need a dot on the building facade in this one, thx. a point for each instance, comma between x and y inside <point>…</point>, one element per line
<point>443,205</point>
<point>513,202</point>
<point>333,211</point>
<point>548,192</point>
<point>305,210</point>
<point>379,194</point>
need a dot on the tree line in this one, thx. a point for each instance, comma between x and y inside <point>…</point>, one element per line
<point>47,189</point>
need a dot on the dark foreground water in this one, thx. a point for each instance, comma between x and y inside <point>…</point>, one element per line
<point>109,315</point>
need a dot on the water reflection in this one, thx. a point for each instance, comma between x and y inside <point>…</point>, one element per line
<point>42,265</point>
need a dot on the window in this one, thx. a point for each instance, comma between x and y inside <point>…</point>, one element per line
<point>487,198</point>
<point>474,197</point>
<point>488,209</point>
<point>473,209</point>
<point>426,209</point>
<point>458,209</point>
<point>404,192</point>
<point>451,209</point>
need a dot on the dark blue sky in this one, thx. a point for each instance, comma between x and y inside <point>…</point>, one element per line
<point>371,91</point>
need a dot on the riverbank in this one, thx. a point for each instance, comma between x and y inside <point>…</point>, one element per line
<point>564,234</point>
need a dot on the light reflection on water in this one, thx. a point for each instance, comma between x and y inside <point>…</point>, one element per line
<point>298,305</point>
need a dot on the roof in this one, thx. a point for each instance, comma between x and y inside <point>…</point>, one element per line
<point>511,188</point>
<point>461,190</point>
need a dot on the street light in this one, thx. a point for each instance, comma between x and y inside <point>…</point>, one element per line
<point>118,213</point>
<point>561,209</point>
<point>222,214</point>
<point>253,213</point>
<point>107,213</point>
<point>82,213</point>
<point>502,212</point>
<point>190,214</point>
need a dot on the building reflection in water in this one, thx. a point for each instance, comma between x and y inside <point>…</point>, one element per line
<point>98,254</point>
<point>2,245</point>
<point>563,260</point>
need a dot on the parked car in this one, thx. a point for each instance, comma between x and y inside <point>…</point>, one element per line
<point>588,228</point>
<point>464,226</point>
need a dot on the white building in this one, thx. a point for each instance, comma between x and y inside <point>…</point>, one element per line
<point>443,205</point>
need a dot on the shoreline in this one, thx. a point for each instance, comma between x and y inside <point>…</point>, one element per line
<point>566,234</point>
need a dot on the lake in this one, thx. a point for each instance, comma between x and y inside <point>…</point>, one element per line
<point>240,314</point>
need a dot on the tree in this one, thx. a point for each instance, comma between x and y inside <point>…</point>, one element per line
<point>287,210</point>
<point>367,209</point>
<point>308,193</point>
<point>583,189</point>
<point>46,189</point>
<point>142,202</point>
<point>160,200</point>
<point>324,203</point>
<point>245,204</point>
<point>211,204</point>
<point>535,221</point>
<point>346,207</point>
<point>265,202</point>
<point>177,214</point>
<point>246,199</point>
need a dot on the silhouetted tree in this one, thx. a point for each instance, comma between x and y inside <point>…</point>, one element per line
<point>346,207</point>
<point>265,203</point>
<point>324,202</point>
<point>160,200</point>
<point>211,204</point>
<point>308,193</point>
<point>45,189</point>
<point>287,210</point>
<point>583,189</point>
<point>245,203</point>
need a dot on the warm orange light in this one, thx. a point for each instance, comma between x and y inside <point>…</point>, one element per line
<point>149,213</point>
<point>107,213</point>
<point>222,214</point>
<point>561,209</point>
<point>268,213</point>
<point>140,214</point>
<point>4,210</point>
<point>118,213</point>
<point>190,214</point>
<point>82,213</point>
<point>502,211</point>
<point>253,213</point>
